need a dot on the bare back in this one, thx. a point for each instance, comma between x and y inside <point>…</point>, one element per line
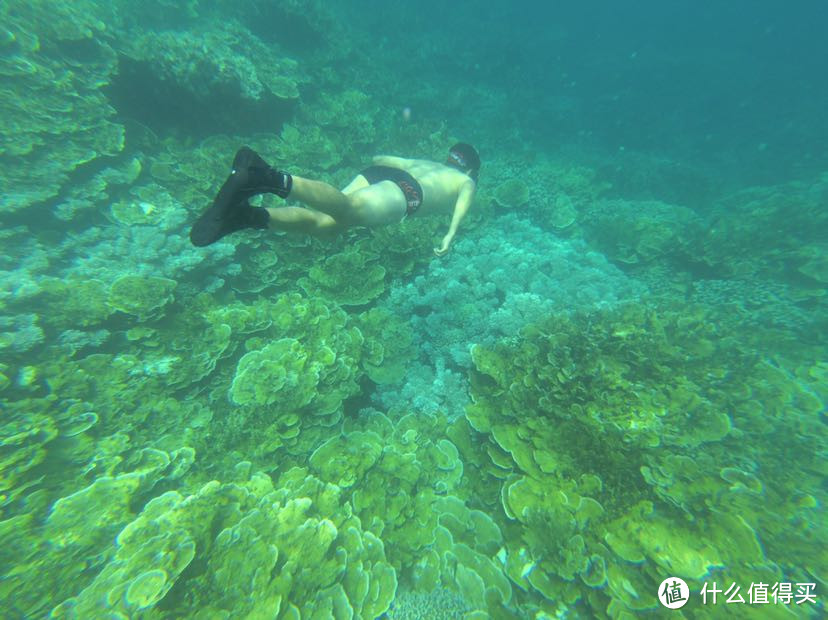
<point>445,190</point>
<point>441,184</point>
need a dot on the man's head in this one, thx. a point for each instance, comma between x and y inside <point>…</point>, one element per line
<point>464,157</point>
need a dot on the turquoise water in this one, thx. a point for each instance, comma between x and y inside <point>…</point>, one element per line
<point>616,376</point>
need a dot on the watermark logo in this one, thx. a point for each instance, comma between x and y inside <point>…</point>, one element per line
<point>673,593</point>
<point>761,593</point>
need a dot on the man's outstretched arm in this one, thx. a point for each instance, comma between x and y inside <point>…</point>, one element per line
<point>461,207</point>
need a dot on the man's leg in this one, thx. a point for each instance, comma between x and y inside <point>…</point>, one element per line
<point>324,198</point>
<point>302,220</point>
<point>251,175</point>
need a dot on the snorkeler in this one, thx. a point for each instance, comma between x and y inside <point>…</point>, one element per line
<point>390,190</point>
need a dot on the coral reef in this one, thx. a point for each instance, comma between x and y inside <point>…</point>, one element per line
<point>564,194</point>
<point>495,282</point>
<point>388,344</point>
<point>57,119</point>
<point>511,194</point>
<point>235,62</point>
<point>640,422</point>
<point>510,284</point>
<point>441,604</point>
<point>143,297</point>
<point>404,247</point>
<point>348,278</point>
<point>640,232</point>
<point>767,231</point>
<point>301,529</point>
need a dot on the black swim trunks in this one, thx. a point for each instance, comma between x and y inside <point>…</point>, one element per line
<point>408,184</point>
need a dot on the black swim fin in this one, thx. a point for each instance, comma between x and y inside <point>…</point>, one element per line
<point>216,223</point>
<point>231,210</point>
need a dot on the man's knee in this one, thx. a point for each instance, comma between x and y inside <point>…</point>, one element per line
<point>326,224</point>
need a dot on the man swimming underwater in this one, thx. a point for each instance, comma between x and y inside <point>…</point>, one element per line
<point>392,189</point>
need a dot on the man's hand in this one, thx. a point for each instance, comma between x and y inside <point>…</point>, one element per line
<point>444,246</point>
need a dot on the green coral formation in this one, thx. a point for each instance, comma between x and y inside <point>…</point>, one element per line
<point>403,478</point>
<point>83,198</point>
<point>562,212</point>
<point>283,373</point>
<point>349,114</point>
<point>571,194</point>
<point>82,303</point>
<point>140,296</point>
<point>511,194</point>
<point>53,131</point>
<point>67,68</point>
<point>771,234</point>
<point>641,232</point>
<point>299,532</point>
<point>388,344</point>
<point>624,470</point>
<point>299,362</point>
<point>350,278</point>
<point>630,468</point>
<point>79,526</point>
<point>180,59</point>
<point>404,247</point>
<point>32,440</point>
<point>345,459</point>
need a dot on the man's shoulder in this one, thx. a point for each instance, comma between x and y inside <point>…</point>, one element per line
<point>388,160</point>
<point>426,166</point>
